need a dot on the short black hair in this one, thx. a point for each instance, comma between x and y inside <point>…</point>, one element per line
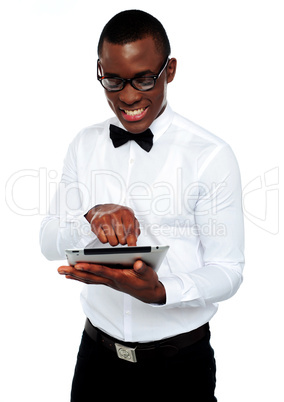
<point>131,25</point>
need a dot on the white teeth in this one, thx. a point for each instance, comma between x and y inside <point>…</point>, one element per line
<point>134,112</point>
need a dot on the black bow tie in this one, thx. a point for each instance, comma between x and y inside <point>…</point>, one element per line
<point>120,137</point>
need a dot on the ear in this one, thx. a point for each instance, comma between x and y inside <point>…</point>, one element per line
<point>99,68</point>
<point>171,70</point>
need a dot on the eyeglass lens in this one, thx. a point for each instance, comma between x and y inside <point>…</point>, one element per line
<point>142,84</point>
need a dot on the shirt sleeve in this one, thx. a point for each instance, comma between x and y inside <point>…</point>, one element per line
<point>65,226</point>
<point>219,205</point>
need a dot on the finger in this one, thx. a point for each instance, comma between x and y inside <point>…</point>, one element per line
<point>80,279</point>
<point>130,228</point>
<point>97,270</point>
<point>131,240</point>
<point>87,273</point>
<point>101,235</point>
<point>98,230</point>
<point>139,267</point>
<point>83,266</point>
<point>137,228</point>
<point>119,231</point>
<point>107,234</point>
<point>64,269</point>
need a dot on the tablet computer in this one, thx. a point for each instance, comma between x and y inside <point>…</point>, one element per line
<point>119,257</point>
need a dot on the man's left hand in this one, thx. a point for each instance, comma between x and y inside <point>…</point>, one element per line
<point>141,281</point>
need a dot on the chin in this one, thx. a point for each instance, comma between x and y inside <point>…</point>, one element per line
<point>135,128</point>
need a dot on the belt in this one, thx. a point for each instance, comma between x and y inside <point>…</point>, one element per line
<point>134,352</point>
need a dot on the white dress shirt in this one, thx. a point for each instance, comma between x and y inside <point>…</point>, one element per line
<point>186,193</point>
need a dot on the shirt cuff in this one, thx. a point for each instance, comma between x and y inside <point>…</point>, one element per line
<point>180,291</point>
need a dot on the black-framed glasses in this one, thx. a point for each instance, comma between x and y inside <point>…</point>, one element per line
<point>115,84</point>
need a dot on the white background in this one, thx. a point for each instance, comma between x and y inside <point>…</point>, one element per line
<point>230,81</point>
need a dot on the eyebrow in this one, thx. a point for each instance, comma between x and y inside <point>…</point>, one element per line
<point>140,74</point>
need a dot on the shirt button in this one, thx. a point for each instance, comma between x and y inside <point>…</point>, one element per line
<point>131,161</point>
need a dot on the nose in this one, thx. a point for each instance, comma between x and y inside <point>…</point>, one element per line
<point>129,95</point>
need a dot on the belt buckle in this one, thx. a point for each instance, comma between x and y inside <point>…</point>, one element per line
<point>126,353</point>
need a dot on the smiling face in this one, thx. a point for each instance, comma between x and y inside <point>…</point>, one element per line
<point>135,109</point>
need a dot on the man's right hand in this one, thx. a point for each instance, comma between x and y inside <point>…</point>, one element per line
<point>114,224</point>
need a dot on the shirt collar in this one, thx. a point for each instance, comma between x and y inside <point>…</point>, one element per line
<point>162,123</point>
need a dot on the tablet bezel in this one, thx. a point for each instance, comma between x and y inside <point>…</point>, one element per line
<point>119,257</point>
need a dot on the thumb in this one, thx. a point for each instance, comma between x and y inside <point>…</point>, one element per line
<point>140,267</point>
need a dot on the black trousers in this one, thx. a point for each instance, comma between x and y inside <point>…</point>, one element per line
<point>99,373</point>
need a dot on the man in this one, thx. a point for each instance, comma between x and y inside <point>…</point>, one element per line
<point>184,190</point>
